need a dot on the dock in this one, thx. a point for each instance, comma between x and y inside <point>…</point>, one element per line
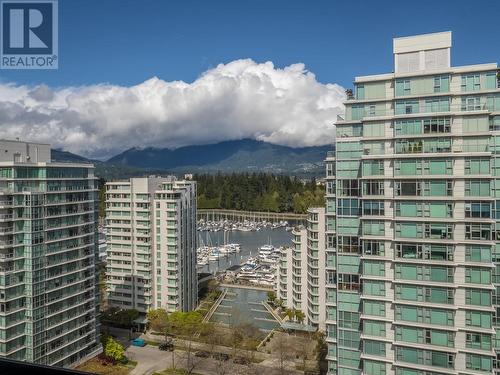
<point>236,215</point>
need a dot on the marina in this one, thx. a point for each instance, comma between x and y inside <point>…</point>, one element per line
<point>243,257</point>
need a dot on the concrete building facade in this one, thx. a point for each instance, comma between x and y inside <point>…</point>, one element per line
<point>151,244</point>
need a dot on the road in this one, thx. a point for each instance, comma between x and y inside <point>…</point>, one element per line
<point>150,359</point>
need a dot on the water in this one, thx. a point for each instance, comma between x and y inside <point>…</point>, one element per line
<point>245,306</point>
<point>249,241</point>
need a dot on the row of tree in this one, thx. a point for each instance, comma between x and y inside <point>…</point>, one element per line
<point>258,192</point>
<point>250,192</point>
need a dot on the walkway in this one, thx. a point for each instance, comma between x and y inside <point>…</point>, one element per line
<point>214,306</point>
<point>238,286</point>
<point>236,215</point>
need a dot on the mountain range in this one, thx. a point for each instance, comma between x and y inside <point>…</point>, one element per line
<point>244,155</point>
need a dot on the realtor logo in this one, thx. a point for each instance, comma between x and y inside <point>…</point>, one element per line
<point>29,37</point>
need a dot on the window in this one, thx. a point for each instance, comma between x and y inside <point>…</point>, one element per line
<point>494,123</point>
<point>371,110</point>
<point>375,248</point>
<point>408,146</point>
<point>477,275</point>
<point>348,207</point>
<point>373,187</point>
<point>479,231</point>
<point>423,209</point>
<point>471,103</point>
<point>470,82</point>
<point>406,107</point>
<point>437,105</point>
<point>478,209</point>
<point>478,253</point>
<point>354,130</point>
<point>438,231</point>
<point>348,169</point>
<point>373,148</point>
<point>348,244</point>
<point>348,282</point>
<point>424,294</point>
<point>410,126</point>
<point>373,228</point>
<point>426,273</point>
<point>403,87</point>
<point>477,188</point>
<point>373,288</point>
<point>442,84</point>
<point>374,208</point>
<point>438,167</point>
<point>349,358</point>
<point>349,150</point>
<point>477,166</point>
<point>373,167</point>
<point>408,188</point>
<point>373,268</point>
<point>373,308</point>
<point>437,125</point>
<point>476,144</point>
<point>478,297</point>
<point>360,92</point>
<point>373,129</point>
<point>433,316</point>
<point>409,230</point>
<point>407,167</point>
<point>373,367</point>
<point>475,340</point>
<point>478,362</point>
<point>372,347</point>
<point>348,320</point>
<point>349,339</point>
<point>426,251</point>
<point>348,188</point>
<point>480,319</point>
<point>475,124</point>
<point>374,328</point>
<point>424,336</point>
<point>425,357</point>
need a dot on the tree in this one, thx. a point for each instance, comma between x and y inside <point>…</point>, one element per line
<point>158,320</point>
<point>113,350</point>
<point>186,325</point>
<point>283,350</point>
<point>271,296</point>
<point>299,316</point>
<point>120,317</point>
<point>290,313</point>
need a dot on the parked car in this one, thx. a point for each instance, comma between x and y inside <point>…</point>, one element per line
<point>167,345</point>
<point>241,361</point>
<point>221,356</point>
<point>202,354</point>
<point>138,342</point>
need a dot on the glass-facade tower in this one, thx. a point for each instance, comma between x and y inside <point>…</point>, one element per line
<point>412,204</point>
<point>49,299</point>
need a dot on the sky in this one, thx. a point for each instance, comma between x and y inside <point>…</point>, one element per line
<point>172,73</point>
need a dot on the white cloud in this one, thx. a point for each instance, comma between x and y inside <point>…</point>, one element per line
<point>241,99</point>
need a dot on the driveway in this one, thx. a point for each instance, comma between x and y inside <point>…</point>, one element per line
<point>149,359</point>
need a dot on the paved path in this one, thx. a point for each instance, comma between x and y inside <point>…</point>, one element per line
<point>241,286</point>
<point>149,359</point>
